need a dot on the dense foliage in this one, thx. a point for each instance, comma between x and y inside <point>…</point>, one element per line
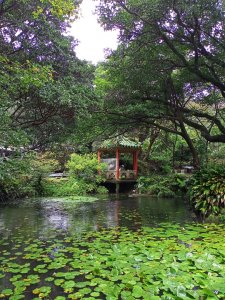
<point>84,176</point>
<point>208,190</point>
<point>167,185</point>
<point>15,178</point>
<point>22,174</point>
<point>168,69</point>
<point>163,87</point>
<point>43,85</point>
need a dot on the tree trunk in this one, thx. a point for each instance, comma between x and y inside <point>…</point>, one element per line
<point>153,136</point>
<point>195,156</point>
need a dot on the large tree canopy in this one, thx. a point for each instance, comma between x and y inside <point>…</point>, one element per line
<point>43,85</point>
<point>169,68</point>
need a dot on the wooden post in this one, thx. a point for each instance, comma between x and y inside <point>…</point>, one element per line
<point>99,156</point>
<point>117,164</point>
<point>117,188</point>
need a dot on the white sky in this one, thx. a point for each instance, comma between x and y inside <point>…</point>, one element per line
<point>92,38</point>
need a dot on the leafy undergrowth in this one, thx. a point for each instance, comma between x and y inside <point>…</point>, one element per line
<point>208,190</point>
<point>168,262</point>
<point>165,186</point>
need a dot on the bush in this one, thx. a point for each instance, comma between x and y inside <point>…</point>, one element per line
<point>27,176</point>
<point>56,187</point>
<point>85,167</point>
<point>162,185</point>
<point>102,190</point>
<point>16,178</point>
<point>64,187</point>
<point>207,190</point>
<point>42,164</point>
<point>84,178</point>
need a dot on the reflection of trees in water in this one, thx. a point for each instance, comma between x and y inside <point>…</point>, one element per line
<point>39,217</point>
<point>155,210</point>
<point>94,216</point>
<point>16,220</point>
<point>33,218</point>
<point>129,215</point>
<point>140,211</point>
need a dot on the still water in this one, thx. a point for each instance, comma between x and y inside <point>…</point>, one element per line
<point>113,248</point>
<point>39,217</point>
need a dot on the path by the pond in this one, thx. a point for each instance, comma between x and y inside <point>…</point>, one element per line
<point>114,248</point>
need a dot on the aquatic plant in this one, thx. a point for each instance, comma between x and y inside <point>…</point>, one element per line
<point>166,262</point>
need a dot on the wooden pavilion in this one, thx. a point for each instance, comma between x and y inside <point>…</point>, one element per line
<point>116,171</point>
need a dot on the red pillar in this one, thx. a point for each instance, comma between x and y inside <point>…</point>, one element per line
<point>99,156</point>
<point>135,163</point>
<point>117,164</point>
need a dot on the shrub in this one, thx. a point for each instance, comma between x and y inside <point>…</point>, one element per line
<point>162,185</point>
<point>84,178</point>
<point>16,178</point>
<point>66,187</point>
<point>207,190</point>
<point>42,164</point>
<point>102,190</point>
<point>85,167</point>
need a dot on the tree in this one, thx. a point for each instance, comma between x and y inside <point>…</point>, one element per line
<point>168,70</point>
<point>43,85</point>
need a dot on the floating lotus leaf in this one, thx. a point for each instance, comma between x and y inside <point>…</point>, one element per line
<point>33,279</point>
<point>15,278</point>
<point>49,279</point>
<point>59,282</point>
<point>7,292</point>
<point>164,262</point>
<point>18,297</point>
<point>42,291</point>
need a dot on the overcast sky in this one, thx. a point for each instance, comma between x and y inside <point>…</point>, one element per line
<point>92,38</point>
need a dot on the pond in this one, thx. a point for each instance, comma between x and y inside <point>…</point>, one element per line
<point>116,247</point>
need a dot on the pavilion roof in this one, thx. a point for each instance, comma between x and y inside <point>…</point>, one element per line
<point>122,143</point>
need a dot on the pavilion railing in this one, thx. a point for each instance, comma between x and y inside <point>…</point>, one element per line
<point>123,175</point>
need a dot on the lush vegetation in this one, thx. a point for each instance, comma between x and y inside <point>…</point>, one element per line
<point>44,86</point>
<point>84,176</point>
<point>169,185</point>
<point>15,178</point>
<point>173,99</point>
<point>177,51</point>
<point>208,190</point>
<point>163,87</point>
<point>166,262</point>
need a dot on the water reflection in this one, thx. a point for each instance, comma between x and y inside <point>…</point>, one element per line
<point>41,216</point>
